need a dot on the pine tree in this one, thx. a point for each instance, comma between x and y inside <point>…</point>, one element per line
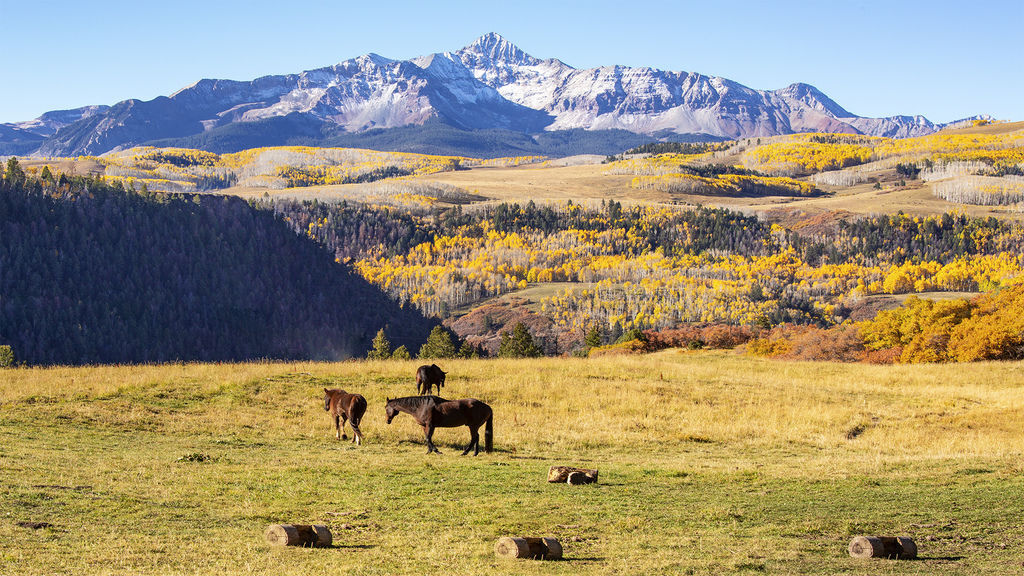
<point>381,347</point>
<point>14,174</point>
<point>518,344</point>
<point>594,336</point>
<point>438,345</point>
<point>6,356</point>
<point>401,353</point>
<point>467,350</point>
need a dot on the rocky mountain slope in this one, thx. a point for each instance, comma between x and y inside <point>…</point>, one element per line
<point>490,85</point>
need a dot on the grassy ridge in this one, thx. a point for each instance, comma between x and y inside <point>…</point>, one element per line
<point>709,462</point>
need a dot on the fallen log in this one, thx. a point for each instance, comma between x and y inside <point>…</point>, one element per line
<point>316,535</point>
<point>900,547</point>
<point>571,475</point>
<point>536,548</point>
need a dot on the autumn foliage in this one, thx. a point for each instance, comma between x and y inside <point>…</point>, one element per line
<point>989,327</point>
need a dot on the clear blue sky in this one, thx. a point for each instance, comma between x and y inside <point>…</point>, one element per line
<point>943,59</point>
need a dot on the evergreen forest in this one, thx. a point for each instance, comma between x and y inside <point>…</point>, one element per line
<point>93,273</point>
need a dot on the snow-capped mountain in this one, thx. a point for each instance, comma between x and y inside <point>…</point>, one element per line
<point>648,101</point>
<point>489,85</point>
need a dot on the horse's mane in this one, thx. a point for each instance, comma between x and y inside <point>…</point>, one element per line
<point>415,402</point>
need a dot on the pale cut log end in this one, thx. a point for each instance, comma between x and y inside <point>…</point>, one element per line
<point>555,474</point>
<point>281,535</point>
<point>508,547</point>
<point>866,547</point>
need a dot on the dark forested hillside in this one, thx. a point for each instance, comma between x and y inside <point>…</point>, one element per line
<point>433,137</point>
<point>92,273</point>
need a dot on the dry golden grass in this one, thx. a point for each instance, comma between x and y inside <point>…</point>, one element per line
<point>589,184</point>
<point>610,404</point>
<point>995,128</point>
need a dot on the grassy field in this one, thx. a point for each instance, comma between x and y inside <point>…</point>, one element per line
<point>588,184</point>
<point>710,463</point>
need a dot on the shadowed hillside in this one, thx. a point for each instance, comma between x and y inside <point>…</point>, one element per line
<point>92,273</point>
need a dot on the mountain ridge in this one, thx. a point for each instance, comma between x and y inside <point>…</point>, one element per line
<point>490,84</point>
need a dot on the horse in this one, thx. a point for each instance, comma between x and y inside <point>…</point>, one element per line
<point>427,376</point>
<point>436,412</point>
<point>344,406</point>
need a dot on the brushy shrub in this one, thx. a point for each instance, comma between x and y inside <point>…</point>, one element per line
<point>697,336</point>
<point>635,346</point>
<point>840,343</point>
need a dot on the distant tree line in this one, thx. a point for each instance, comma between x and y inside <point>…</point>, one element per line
<point>677,148</point>
<point>900,238</point>
<point>354,231</point>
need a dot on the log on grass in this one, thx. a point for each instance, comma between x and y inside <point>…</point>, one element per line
<point>536,548</point>
<point>883,547</point>
<point>571,475</point>
<point>316,535</point>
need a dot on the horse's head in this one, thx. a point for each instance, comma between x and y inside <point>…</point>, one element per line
<point>327,400</point>
<point>390,411</point>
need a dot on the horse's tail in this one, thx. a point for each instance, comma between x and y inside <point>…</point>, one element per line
<point>489,433</point>
<point>358,407</point>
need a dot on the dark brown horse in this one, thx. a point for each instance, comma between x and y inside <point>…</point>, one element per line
<point>344,406</point>
<point>436,412</point>
<point>427,376</point>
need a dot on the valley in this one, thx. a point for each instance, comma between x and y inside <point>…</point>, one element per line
<point>815,230</point>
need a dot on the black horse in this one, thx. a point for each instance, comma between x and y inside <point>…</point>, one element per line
<point>427,376</point>
<point>436,412</point>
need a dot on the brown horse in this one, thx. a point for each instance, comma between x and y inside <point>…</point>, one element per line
<point>427,376</point>
<point>344,406</point>
<point>435,412</point>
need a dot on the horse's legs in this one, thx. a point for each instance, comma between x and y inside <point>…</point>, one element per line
<point>357,434</point>
<point>428,429</point>
<point>337,427</point>
<point>344,418</point>
<point>474,440</point>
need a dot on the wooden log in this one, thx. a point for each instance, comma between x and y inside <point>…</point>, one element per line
<point>536,548</point>
<point>562,474</point>
<point>554,549</point>
<point>577,478</point>
<point>901,547</point>
<point>316,535</point>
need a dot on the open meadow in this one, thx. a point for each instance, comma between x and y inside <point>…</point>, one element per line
<point>710,462</point>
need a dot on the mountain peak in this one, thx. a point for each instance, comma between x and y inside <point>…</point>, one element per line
<point>492,46</point>
<point>814,98</point>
